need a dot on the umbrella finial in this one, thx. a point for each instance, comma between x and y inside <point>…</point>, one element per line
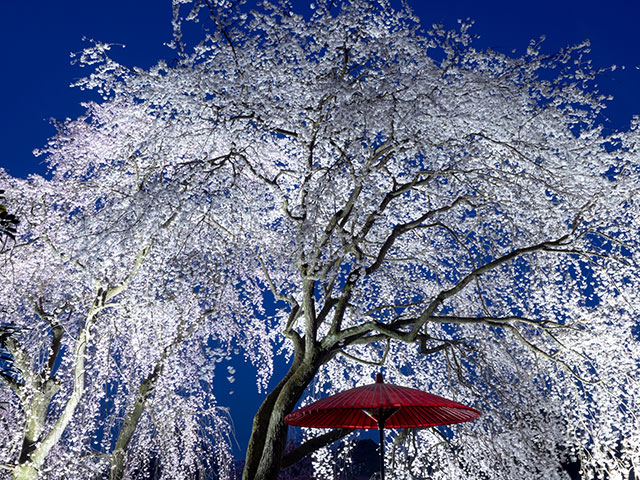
<point>379,378</point>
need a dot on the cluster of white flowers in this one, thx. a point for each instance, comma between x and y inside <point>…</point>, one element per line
<point>342,190</point>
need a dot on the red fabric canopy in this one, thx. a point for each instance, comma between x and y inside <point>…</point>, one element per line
<point>401,407</point>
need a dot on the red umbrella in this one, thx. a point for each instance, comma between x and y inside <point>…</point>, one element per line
<point>381,405</point>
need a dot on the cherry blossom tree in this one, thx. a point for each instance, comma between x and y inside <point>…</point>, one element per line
<point>8,223</point>
<point>103,363</point>
<point>457,216</point>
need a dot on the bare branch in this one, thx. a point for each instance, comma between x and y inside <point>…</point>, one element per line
<point>405,227</point>
<point>379,363</point>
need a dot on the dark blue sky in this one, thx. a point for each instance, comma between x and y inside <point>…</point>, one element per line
<point>37,36</point>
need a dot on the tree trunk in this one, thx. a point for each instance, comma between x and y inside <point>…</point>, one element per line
<point>269,433</point>
<point>25,471</point>
<point>130,424</point>
<point>36,415</point>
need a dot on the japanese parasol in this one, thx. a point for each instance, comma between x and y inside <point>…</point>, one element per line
<point>381,405</point>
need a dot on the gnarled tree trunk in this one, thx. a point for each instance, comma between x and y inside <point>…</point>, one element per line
<point>269,433</point>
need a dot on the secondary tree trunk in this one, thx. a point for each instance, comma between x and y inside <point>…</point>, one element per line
<point>25,471</point>
<point>117,460</point>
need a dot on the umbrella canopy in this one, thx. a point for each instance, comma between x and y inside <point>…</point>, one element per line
<point>381,405</point>
<point>361,407</point>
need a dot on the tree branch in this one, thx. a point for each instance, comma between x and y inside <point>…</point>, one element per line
<point>349,335</point>
<point>100,302</point>
<point>445,294</point>
<point>291,458</point>
<point>369,362</point>
<point>405,227</point>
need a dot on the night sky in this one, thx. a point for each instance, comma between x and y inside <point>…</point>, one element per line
<point>36,38</point>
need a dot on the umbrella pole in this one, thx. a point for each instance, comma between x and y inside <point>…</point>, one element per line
<point>380,429</point>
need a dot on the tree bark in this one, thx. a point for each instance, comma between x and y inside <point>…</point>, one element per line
<point>30,464</point>
<point>36,417</point>
<point>117,459</point>
<point>42,389</point>
<point>25,471</point>
<point>269,433</point>
<point>316,443</point>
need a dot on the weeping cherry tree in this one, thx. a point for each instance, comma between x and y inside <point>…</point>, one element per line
<point>457,216</point>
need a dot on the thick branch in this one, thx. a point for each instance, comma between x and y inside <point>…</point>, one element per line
<point>131,421</point>
<point>445,294</point>
<point>291,458</point>
<point>308,302</point>
<point>43,448</point>
<point>405,227</point>
<point>260,428</point>
<point>101,301</point>
<point>146,388</point>
<point>393,330</point>
<point>55,349</point>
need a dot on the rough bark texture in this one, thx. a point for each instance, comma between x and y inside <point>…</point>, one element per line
<point>269,434</point>
<point>33,461</point>
<point>43,387</point>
